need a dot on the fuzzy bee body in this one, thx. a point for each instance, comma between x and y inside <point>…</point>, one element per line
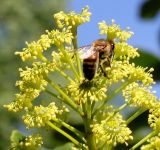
<point>90,66</point>
<point>98,55</point>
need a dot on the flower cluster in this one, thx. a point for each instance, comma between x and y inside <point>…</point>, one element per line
<point>72,19</point>
<point>58,38</point>
<point>153,144</point>
<point>35,49</point>
<point>94,90</point>
<point>32,83</point>
<point>20,142</point>
<point>139,95</point>
<point>154,117</point>
<point>125,51</point>
<point>112,129</point>
<point>59,59</point>
<point>114,31</point>
<point>121,70</point>
<point>41,115</point>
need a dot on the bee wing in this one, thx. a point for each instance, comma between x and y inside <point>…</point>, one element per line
<point>86,51</point>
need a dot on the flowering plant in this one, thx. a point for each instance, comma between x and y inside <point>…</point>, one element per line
<point>104,126</point>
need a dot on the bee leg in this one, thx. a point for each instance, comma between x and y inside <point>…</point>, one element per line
<point>102,70</point>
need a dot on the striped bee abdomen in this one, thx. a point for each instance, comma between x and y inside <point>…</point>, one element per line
<point>90,66</point>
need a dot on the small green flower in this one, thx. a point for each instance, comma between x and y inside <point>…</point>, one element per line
<point>124,51</point>
<point>59,38</point>
<point>139,95</point>
<point>72,19</point>
<point>94,90</point>
<point>40,115</point>
<point>121,70</point>
<point>111,130</point>
<point>21,142</point>
<point>114,31</point>
<point>35,49</point>
<point>154,117</point>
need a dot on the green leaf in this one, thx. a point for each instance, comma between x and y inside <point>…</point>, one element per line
<point>150,9</point>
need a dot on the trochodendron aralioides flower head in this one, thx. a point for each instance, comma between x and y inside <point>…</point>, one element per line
<point>104,125</point>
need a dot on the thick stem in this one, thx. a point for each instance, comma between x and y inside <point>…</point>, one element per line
<point>87,124</point>
<point>135,115</point>
<point>144,140</point>
<point>75,45</point>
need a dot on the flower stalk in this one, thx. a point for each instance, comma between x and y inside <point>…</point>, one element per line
<point>135,115</point>
<point>153,133</point>
<point>63,133</point>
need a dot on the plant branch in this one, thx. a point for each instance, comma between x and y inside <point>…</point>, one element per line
<point>69,62</point>
<point>64,133</point>
<point>65,96</point>
<point>87,124</point>
<point>109,98</point>
<point>135,115</point>
<point>71,128</point>
<point>64,74</point>
<point>144,140</point>
<point>75,45</point>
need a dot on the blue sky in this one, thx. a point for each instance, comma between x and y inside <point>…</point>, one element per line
<point>126,14</point>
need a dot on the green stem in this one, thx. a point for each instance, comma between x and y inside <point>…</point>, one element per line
<point>65,96</point>
<point>87,124</point>
<point>63,133</point>
<point>109,98</point>
<point>89,111</point>
<point>75,45</point>
<point>43,58</point>
<point>69,62</point>
<point>121,107</point>
<point>64,74</point>
<point>135,115</point>
<point>53,94</point>
<point>144,140</point>
<point>71,128</point>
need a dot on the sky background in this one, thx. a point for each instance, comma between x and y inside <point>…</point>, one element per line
<point>126,14</point>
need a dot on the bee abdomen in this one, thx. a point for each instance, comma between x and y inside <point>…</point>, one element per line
<point>89,68</point>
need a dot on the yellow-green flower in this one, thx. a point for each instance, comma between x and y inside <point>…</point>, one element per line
<point>94,90</point>
<point>41,115</point>
<point>121,70</point>
<point>139,95</point>
<point>125,51</point>
<point>154,117</point>
<point>114,31</point>
<point>72,19</point>
<point>111,130</point>
<point>35,49</point>
<point>21,142</point>
<point>153,144</point>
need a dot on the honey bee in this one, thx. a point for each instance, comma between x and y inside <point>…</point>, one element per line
<point>98,55</point>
